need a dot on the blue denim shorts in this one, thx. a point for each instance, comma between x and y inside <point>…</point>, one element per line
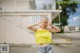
<point>46,49</point>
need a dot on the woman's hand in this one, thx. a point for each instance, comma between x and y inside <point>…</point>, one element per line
<point>53,28</point>
<point>50,25</point>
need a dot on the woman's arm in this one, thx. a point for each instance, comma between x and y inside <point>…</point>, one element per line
<point>53,28</point>
<point>32,27</point>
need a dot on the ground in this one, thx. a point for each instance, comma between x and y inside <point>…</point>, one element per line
<point>74,47</point>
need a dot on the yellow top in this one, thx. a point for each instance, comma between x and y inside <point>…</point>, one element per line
<point>43,36</point>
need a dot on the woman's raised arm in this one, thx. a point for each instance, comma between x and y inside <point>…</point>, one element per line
<point>53,28</point>
<point>31,27</point>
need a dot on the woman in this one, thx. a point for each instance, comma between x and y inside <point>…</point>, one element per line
<point>43,35</point>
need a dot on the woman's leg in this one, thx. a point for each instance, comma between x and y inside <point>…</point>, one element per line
<point>46,49</point>
<point>41,50</point>
<point>49,49</point>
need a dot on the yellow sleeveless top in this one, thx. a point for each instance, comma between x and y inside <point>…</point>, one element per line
<point>43,36</point>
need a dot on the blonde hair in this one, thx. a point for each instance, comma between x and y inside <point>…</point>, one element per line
<point>44,18</point>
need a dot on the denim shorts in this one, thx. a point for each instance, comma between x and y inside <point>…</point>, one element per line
<point>46,49</point>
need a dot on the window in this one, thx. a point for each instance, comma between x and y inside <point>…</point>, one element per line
<point>42,4</point>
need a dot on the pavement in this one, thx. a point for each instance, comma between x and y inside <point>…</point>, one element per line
<point>56,49</point>
<point>67,38</point>
<point>75,35</point>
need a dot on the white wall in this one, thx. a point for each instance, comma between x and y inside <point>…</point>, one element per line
<point>41,3</point>
<point>10,33</point>
<point>14,5</point>
<point>2,31</point>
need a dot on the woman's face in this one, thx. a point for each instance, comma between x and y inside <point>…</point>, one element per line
<point>44,23</point>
